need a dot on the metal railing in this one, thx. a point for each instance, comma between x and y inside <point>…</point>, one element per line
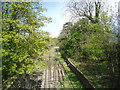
<point>81,77</point>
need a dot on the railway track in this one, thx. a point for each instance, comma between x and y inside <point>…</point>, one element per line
<point>54,73</point>
<point>52,76</point>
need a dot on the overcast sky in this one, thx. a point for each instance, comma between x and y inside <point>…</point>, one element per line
<point>56,10</point>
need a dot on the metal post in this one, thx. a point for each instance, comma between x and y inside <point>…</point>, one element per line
<point>119,20</point>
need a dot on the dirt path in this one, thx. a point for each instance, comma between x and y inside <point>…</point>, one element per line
<point>54,72</point>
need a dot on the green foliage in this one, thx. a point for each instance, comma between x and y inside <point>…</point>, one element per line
<point>86,39</point>
<point>93,43</point>
<point>70,79</point>
<point>22,42</point>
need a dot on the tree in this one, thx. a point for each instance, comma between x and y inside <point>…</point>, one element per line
<point>89,9</point>
<point>23,41</point>
<point>64,35</point>
<point>92,41</point>
<point>66,30</point>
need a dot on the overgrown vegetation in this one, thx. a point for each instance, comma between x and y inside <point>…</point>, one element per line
<point>93,46</point>
<point>23,41</point>
<point>70,79</point>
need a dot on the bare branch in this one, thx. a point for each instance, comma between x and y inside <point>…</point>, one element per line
<point>89,9</point>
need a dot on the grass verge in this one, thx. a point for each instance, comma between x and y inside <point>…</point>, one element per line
<point>70,79</point>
